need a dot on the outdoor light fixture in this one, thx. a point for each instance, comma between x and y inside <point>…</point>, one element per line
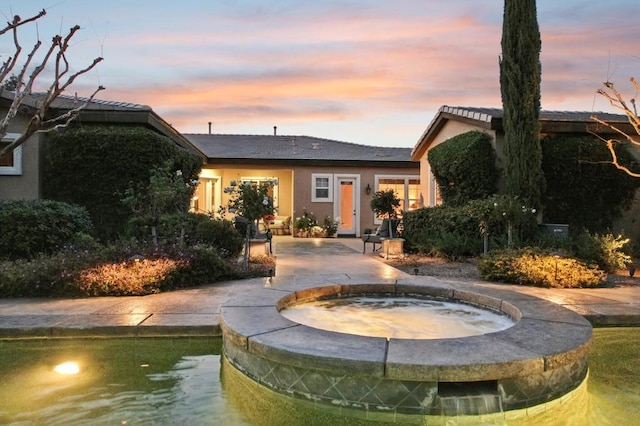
<point>368,189</point>
<point>136,258</point>
<point>67,368</point>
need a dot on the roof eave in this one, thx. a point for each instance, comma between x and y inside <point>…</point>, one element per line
<point>445,114</point>
<point>146,118</point>
<point>314,162</point>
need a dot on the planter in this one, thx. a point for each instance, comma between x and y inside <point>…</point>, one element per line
<point>258,248</point>
<point>392,248</point>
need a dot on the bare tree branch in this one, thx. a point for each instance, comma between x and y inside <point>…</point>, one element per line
<point>10,63</point>
<point>24,89</point>
<point>617,101</point>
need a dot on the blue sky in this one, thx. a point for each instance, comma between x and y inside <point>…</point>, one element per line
<point>372,72</point>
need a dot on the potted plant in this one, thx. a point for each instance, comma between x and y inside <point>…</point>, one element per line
<point>385,203</point>
<point>250,203</point>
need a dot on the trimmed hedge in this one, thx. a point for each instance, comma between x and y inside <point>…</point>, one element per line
<point>93,166</point>
<point>455,232</point>
<point>30,227</point>
<point>464,168</point>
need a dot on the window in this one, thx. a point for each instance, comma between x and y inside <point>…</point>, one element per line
<point>436,199</point>
<point>322,187</point>
<point>11,162</point>
<point>407,189</point>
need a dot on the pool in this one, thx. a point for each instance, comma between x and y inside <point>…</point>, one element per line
<point>151,381</point>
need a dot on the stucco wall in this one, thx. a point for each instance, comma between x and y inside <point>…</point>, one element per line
<point>366,176</point>
<point>295,187</point>
<point>26,185</point>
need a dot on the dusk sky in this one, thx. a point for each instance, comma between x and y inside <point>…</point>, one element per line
<point>372,72</point>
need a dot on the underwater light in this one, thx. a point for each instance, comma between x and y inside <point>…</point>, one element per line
<point>67,368</point>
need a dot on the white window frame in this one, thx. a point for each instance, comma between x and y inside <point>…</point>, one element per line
<point>406,178</point>
<point>329,197</point>
<point>16,169</point>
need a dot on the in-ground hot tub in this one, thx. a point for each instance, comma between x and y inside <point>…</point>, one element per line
<point>540,358</point>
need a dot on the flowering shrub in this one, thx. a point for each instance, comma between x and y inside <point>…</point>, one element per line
<point>330,226</point>
<point>305,223</point>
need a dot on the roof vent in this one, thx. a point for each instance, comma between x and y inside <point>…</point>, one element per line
<point>275,130</point>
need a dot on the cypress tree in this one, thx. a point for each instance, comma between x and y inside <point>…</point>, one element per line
<point>520,75</point>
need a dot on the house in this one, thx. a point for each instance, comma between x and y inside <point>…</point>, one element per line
<point>320,176</point>
<point>451,121</point>
<point>20,169</point>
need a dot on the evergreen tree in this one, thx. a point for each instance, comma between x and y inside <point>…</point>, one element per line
<point>520,75</point>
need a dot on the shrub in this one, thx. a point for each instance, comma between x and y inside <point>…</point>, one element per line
<point>464,168</point>
<point>30,227</point>
<point>200,229</point>
<point>305,223</point>
<point>607,251</point>
<point>458,231</point>
<point>127,278</point>
<point>583,188</point>
<point>93,166</point>
<point>218,233</point>
<point>529,267</point>
<point>110,271</point>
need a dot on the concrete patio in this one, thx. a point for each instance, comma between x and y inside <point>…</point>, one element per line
<point>313,262</point>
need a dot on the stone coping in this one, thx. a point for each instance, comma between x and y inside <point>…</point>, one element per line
<point>545,336</point>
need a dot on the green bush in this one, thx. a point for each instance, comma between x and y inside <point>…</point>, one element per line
<point>30,227</point>
<point>583,188</point>
<point>112,271</point>
<point>464,168</point>
<point>199,229</point>
<point>218,233</point>
<point>607,251</point>
<point>530,267</point>
<point>454,232</point>
<point>94,166</point>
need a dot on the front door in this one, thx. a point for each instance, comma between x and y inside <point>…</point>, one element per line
<point>347,205</point>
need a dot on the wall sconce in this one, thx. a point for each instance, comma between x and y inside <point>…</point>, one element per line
<point>368,189</point>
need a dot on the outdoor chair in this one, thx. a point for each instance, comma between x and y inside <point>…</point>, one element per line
<point>375,236</point>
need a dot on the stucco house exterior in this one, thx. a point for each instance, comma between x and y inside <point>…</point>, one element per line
<point>20,170</point>
<point>320,176</point>
<point>451,121</point>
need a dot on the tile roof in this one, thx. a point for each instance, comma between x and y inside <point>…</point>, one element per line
<point>105,112</point>
<point>491,119</point>
<point>487,114</point>
<point>292,148</point>
<point>67,102</point>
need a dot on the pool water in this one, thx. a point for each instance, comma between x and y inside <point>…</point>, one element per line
<point>166,381</point>
<point>397,317</point>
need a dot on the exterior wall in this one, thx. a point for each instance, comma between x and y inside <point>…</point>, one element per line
<point>365,175</point>
<point>295,187</point>
<point>26,185</point>
<point>449,130</point>
<point>229,173</point>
